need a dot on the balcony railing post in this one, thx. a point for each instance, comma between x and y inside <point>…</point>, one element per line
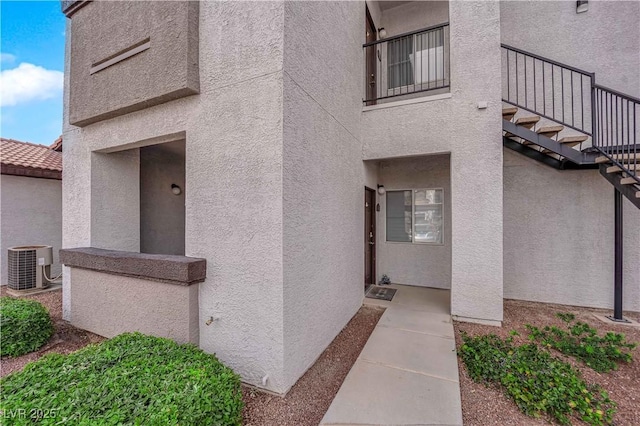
<point>594,109</point>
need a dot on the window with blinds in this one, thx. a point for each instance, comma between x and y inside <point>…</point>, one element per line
<point>415,216</point>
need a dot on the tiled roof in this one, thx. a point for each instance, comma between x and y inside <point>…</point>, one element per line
<point>28,159</point>
<point>57,144</point>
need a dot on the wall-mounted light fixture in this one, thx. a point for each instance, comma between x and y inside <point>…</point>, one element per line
<point>175,189</point>
<point>582,6</point>
<point>381,190</point>
<point>382,33</point>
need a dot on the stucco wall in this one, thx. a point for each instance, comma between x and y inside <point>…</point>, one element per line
<point>126,304</point>
<point>604,40</point>
<point>115,200</point>
<point>427,265</point>
<point>166,70</point>
<point>322,176</point>
<point>233,132</point>
<point>473,138</point>
<point>558,236</point>
<point>162,211</point>
<point>414,16</point>
<point>559,224</point>
<point>30,214</point>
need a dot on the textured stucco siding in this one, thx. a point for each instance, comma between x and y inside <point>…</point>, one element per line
<point>558,236</point>
<point>427,265</point>
<point>604,40</point>
<point>30,214</point>
<point>473,137</point>
<point>414,16</point>
<point>109,305</point>
<point>166,70</point>
<point>161,211</point>
<point>233,132</point>
<point>322,176</point>
<point>115,200</point>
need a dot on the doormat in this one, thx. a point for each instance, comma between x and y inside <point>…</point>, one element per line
<point>381,293</point>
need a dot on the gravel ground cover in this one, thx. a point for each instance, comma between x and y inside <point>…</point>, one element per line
<point>482,405</point>
<point>305,404</point>
<point>308,400</point>
<point>65,338</point>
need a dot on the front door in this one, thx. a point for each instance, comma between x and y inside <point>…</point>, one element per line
<point>369,236</point>
<point>371,60</point>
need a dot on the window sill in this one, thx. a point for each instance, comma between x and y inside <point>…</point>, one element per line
<point>407,102</point>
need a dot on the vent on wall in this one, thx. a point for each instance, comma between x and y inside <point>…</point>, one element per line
<point>27,266</point>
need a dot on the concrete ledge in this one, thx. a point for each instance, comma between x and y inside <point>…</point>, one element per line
<point>493,323</point>
<point>179,270</point>
<point>109,305</point>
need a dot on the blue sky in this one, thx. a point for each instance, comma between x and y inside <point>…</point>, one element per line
<point>32,47</point>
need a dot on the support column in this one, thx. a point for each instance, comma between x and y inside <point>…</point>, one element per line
<point>617,296</point>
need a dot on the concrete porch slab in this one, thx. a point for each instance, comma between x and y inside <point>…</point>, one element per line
<point>421,298</point>
<point>378,395</point>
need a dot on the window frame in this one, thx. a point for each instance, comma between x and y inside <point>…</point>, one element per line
<point>413,212</point>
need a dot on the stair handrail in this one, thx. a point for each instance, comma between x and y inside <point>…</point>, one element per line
<point>617,137</point>
<point>608,116</point>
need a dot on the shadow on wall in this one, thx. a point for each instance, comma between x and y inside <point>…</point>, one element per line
<point>162,198</point>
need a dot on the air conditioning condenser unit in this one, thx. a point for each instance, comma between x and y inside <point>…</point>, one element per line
<point>27,266</point>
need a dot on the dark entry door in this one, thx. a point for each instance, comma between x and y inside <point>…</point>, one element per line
<point>371,58</point>
<point>369,236</point>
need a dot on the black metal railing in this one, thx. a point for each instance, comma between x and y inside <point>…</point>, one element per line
<point>617,135</point>
<point>547,88</point>
<point>408,63</point>
<point>570,96</point>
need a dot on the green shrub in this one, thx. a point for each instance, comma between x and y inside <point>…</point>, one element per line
<point>131,379</point>
<point>25,326</point>
<point>536,381</point>
<point>582,342</point>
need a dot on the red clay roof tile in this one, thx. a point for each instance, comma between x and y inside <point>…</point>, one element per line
<point>25,154</point>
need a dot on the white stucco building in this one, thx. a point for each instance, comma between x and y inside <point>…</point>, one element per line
<point>304,149</point>
<point>30,199</point>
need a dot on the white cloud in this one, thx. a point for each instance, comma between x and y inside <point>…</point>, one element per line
<point>7,57</point>
<point>29,82</point>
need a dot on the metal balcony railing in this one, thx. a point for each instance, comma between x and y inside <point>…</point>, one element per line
<point>408,63</point>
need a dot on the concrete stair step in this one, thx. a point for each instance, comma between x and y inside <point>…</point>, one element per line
<point>528,122</point>
<point>509,112</point>
<point>550,131</point>
<point>628,181</point>
<point>573,140</point>
<point>616,169</point>
<point>604,159</point>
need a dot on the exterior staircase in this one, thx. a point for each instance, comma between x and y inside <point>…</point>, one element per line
<point>558,115</point>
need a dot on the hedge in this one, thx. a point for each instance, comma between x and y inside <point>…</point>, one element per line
<point>25,326</point>
<point>132,379</point>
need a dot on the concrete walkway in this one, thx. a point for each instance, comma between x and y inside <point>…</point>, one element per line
<point>407,373</point>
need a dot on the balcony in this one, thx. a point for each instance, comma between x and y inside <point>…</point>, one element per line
<point>406,51</point>
<point>407,65</point>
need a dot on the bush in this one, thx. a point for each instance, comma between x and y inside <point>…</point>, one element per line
<point>131,379</point>
<point>582,342</point>
<point>536,381</point>
<point>25,326</point>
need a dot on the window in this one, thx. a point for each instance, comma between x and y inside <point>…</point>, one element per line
<point>400,70</point>
<point>415,216</point>
<point>416,59</point>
